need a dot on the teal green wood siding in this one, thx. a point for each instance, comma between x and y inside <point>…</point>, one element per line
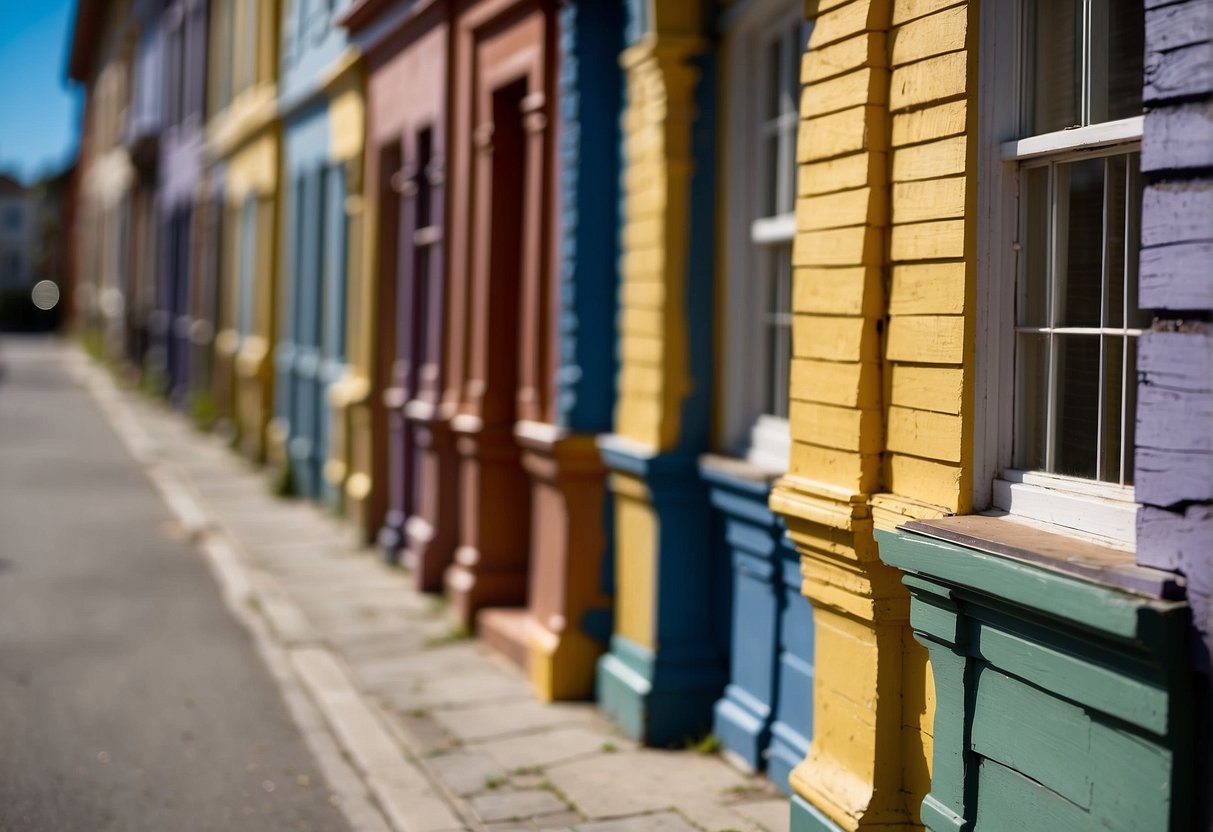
<point>1060,703</point>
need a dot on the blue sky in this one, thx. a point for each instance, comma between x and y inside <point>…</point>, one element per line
<point>38,111</point>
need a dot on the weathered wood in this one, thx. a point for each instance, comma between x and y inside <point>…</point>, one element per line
<point>1178,360</point>
<point>1186,71</point>
<point>927,289</point>
<point>926,339</point>
<point>1177,420</point>
<point>945,157</point>
<point>1179,24</point>
<point>843,428</point>
<point>933,79</point>
<point>843,57</point>
<point>1168,477</point>
<point>940,389</point>
<point>925,434</point>
<point>926,37</point>
<point>936,122</point>
<point>1177,277</point>
<point>1178,136</point>
<point>1177,212</point>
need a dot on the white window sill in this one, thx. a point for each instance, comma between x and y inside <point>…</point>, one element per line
<point>1093,511</point>
<point>770,444</point>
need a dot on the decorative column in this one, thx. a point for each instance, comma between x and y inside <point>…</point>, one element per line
<point>853,775</point>
<point>665,667</point>
<point>568,606</point>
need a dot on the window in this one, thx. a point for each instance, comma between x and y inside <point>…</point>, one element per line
<point>13,218</point>
<point>764,119</point>
<point>1074,166</point>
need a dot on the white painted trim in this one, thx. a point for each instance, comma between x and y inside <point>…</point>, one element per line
<point>999,81</point>
<point>1073,509</point>
<point>741,423</point>
<point>770,443</point>
<point>780,229</point>
<point>1074,140</point>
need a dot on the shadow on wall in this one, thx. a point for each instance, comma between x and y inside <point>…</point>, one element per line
<point>19,312</point>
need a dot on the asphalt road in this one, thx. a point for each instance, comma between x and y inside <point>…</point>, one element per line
<point>130,699</point>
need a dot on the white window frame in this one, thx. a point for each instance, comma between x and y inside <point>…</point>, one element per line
<point>1087,509</point>
<point>762,438</point>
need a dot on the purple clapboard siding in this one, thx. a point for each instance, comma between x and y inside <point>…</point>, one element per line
<point>1174,441</point>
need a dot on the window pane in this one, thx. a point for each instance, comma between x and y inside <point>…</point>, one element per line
<point>1110,428</point>
<point>1125,49</point>
<point>1033,289</point>
<point>779,328</point>
<point>1056,70</point>
<point>773,80</point>
<point>770,150</point>
<point>1130,408</point>
<point>1032,405</point>
<point>1114,256</point>
<point>1076,429</point>
<point>1080,190</point>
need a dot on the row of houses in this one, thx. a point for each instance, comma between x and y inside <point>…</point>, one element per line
<point>834,375</point>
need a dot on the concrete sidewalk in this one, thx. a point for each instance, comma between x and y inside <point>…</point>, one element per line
<point>446,734</point>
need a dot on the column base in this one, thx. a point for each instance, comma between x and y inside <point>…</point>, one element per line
<point>429,535</point>
<point>743,726</point>
<point>656,698</point>
<point>807,818</point>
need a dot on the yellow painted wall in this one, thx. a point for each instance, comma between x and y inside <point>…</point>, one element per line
<point>881,385</point>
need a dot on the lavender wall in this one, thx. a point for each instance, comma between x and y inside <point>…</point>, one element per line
<point>1174,454</point>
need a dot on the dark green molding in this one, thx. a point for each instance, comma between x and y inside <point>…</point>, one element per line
<point>1061,704</point>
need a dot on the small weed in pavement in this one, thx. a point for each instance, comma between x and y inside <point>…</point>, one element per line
<point>456,633</point>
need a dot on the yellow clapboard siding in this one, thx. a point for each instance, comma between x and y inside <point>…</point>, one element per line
<point>643,349</point>
<point>641,380</point>
<point>938,483</point>
<point>853,53</point>
<point>937,240</point>
<point>861,206</point>
<point>860,245</point>
<point>641,265</point>
<point>844,469</point>
<point>930,123</point>
<point>933,160</point>
<point>849,131</point>
<point>834,339</point>
<point>643,295</point>
<point>643,322</point>
<point>926,339</point>
<point>853,290</point>
<point>935,79</point>
<point>929,199</point>
<point>925,434</point>
<point>643,233</point>
<point>841,383</point>
<point>926,37</point>
<point>927,289</point>
<point>863,86</point>
<point>940,389</point>
<point>843,428</point>
<point>846,20</point>
<point>906,10</point>
<point>855,171</point>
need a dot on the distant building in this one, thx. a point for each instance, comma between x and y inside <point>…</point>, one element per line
<point>18,235</point>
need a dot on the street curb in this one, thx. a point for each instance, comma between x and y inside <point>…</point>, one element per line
<point>392,792</point>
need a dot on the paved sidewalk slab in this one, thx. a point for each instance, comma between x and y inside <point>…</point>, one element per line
<point>493,758</point>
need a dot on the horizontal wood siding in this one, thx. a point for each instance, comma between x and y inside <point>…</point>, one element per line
<point>1174,449</point>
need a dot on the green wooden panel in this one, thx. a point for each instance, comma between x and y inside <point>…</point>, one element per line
<point>1132,780</point>
<point>1097,607</point>
<point>1032,732</point>
<point>1106,689</point>
<point>1010,801</point>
